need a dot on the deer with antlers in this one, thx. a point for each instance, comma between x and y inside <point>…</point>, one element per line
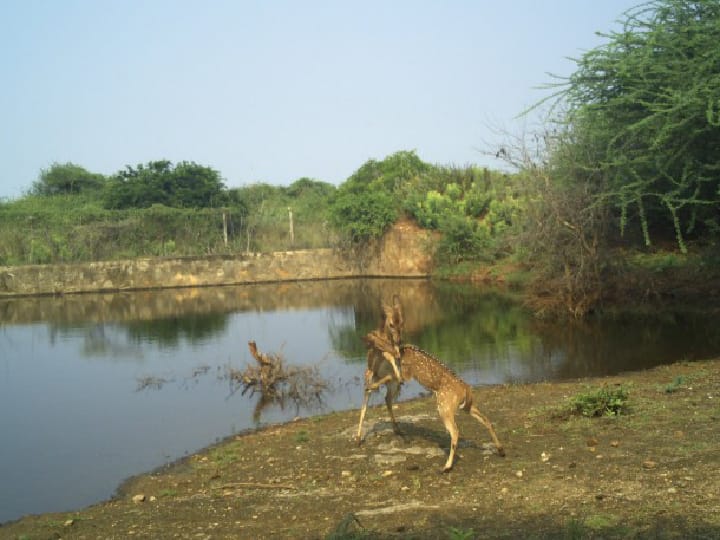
<point>451,391</point>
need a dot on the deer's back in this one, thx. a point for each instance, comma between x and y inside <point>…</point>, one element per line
<point>428,370</point>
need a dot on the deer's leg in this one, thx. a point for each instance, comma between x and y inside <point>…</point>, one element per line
<point>390,358</point>
<point>485,421</point>
<point>390,395</point>
<point>447,414</point>
<point>358,437</point>
<point>372,386</point>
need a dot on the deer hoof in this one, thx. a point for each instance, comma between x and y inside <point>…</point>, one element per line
<point>501,451</point>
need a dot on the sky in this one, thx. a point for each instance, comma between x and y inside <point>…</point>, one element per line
<point>273,91</point>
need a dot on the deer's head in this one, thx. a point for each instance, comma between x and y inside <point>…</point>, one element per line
<point>392,323</point>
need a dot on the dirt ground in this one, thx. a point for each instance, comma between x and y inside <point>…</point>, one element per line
<point>653,472</point>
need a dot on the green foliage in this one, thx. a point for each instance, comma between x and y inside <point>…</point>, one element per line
<point>267,213</point>
<point>38,230</point>
<point>657,263</point>
<point>163,209</point>
<point>185,185</point>
<point>308,188</point>
<point>464,239</point>
<point>363,215</point>
<point>302,436</point>
<point>67,179</point>
<point>675,385</point>
<point>476,212</point>
<point>349,528</point>
<point>77,227</point>
<point>455,533</point>
<point>645,108</point>
<point>602,402</point>
<point>365,205</point>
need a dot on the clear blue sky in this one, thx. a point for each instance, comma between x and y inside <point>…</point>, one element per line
<point>274,90</point>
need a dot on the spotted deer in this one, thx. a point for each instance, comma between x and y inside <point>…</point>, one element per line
<point>451,392</point>
<point>383,369</point>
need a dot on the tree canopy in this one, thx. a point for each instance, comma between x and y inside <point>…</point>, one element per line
<point>365,204</point>
<point>645,109</point>
<point>67,179</point>
<point>185,185</point>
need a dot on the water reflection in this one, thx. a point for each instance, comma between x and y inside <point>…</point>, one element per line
<point>76,417</point>
<point>171,332</point>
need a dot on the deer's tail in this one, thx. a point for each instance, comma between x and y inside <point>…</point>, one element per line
<point>466,405</point>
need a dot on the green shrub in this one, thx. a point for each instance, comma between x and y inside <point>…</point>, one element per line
<point>605,401</point>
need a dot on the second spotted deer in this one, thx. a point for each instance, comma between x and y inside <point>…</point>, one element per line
<point>382,366</point>
<point>451,391</point>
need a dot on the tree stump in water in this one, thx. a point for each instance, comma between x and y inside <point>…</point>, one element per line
<point>276,382</point>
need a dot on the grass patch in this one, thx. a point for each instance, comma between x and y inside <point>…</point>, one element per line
<point>600,521</point>
<point>604,401</point>
<point>349,528</point>
<point>223,456</point>
<point>302,436</point>
<point>456,533</point>
<point>675,385</point>
<point>661,261</point>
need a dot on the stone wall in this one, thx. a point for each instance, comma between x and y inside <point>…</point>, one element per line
<point>402,252</point>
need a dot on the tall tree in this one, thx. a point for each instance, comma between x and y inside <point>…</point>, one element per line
<point>644,109</point>
<point>368,202</point>
<point>67,179</point>
<point>185,185</point>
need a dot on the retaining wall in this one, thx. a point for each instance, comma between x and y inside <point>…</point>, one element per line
<point>402,252</point>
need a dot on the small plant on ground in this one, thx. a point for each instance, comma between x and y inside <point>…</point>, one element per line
<point>605,401</point>
<point>675,385</point>
<point>575,530</point>
<point>349,528</point>
<point>461,534</point>
<point>302,436</point>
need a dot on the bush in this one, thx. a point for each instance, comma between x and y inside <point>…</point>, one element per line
<point>363,216</point>
<point>602,402</point>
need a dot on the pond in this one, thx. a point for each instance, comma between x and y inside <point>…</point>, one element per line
<point>96,388</point>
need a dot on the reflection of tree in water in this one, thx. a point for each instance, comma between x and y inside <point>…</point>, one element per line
<point>462,319</point>
<point>99,340</point>
<point>169,332</point>
<point>356,321</point>
<point>629,341</point>
<point>345,340</point>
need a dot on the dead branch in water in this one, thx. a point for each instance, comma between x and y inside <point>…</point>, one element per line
<point>269,371</point>
<point>150,382</point>
<point>277,382</point>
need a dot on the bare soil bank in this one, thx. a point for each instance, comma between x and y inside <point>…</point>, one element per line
<point>652,473</point>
